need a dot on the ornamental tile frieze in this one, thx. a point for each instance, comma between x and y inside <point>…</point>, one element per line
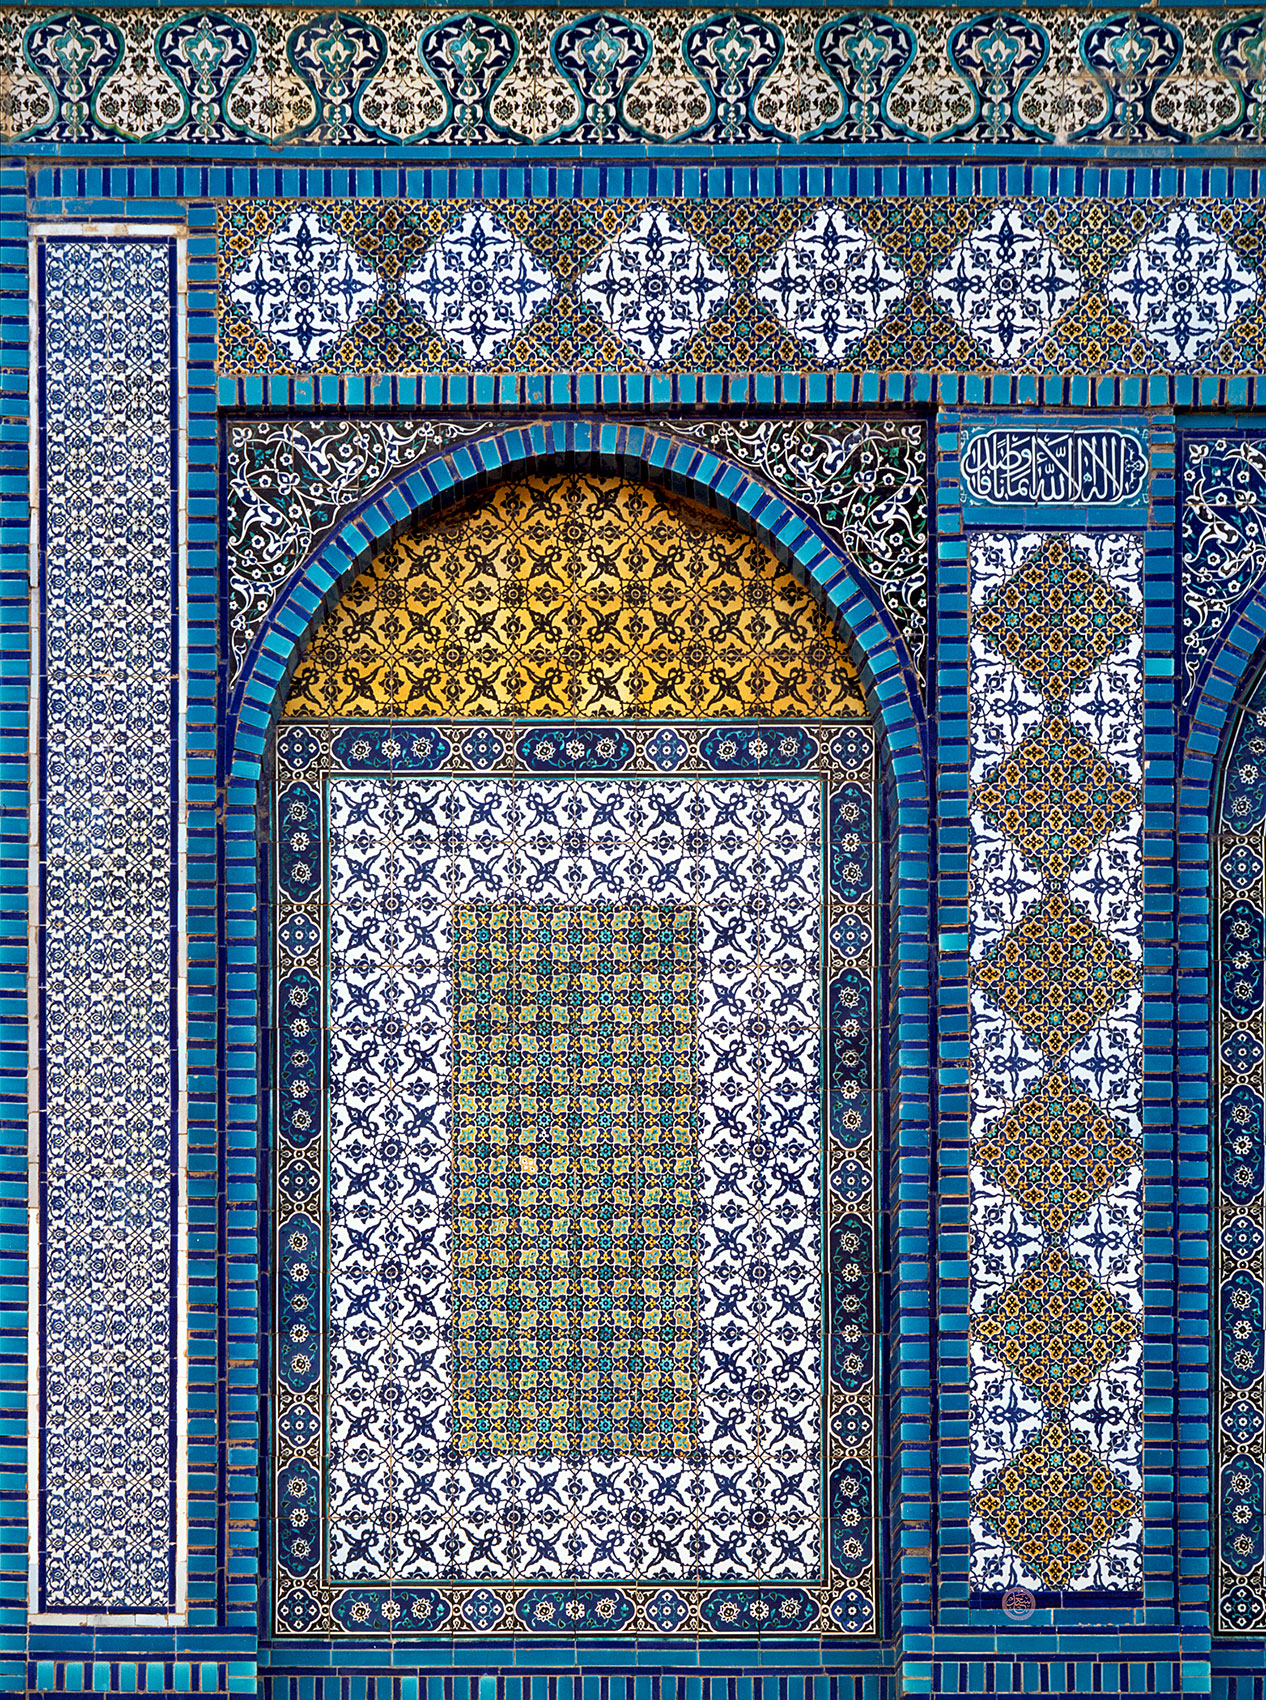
<point>420,75</point>
<point>1059,285</point>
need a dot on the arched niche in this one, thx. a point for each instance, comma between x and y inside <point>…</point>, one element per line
<point>575,773</point>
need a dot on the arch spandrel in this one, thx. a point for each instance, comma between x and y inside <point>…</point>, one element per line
<point>577,594</point>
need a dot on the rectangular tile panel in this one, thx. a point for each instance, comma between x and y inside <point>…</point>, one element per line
<point>1055,947</point>
<point>576,1196</point>
<point>108,1101</point>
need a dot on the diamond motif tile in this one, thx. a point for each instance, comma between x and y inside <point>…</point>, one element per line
<point>1006,284</point>
<point>1055,1153</point>
<point>655,285</point>
<point>1055,797</point>
<point>1055,619</point>
<point>1055,1328</point>
<point>1056,1504</point>
<point>1184,286</point>
<point>478,286</point>
<point>1055,975</point>
<point>830,284</point>
<point>304,287</point>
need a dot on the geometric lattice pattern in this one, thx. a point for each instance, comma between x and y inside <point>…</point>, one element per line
<point>1055,948</point>
<point>576,594</point>
<point>1055,1153</point>
<point>576,1197</point>
<point>108,1381</point>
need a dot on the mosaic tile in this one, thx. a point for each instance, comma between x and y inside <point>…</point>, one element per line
<point>576,594</point>
<point>288,485</point>
<point>677,75</point>
<point>107,1374</point>
<point>580,977</point>
<point>1054,925</point>
<point>864,482</point>
<point>1240,1168</point>
<point>576,1176</point>
<point>1055,285</point>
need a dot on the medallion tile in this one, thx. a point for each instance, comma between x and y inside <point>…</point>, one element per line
<point>1054,285</point>
<point>1058,1507</point>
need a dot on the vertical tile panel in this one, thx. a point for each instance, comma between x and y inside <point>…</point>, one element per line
<point>109,893</point>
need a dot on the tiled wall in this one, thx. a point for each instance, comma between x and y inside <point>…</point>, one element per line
<point>331,312</point>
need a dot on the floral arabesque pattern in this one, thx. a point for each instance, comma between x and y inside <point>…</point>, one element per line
<point>419,75</point>
<point>1223,538</point>
<point>1054,935</point>
<point>453,1530</point>
<point>108,1383</point>
<point>1057,285</point>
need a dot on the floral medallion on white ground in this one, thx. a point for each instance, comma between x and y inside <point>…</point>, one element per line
<point>1006,284</point>
<point>1184,287</point>
<point>655,285</point>
<point>479,286</point>
<point>830,284</point>
<point>1101,708</point>
<point>304,287</point>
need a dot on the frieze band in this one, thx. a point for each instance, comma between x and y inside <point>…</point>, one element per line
<point>676,76</point>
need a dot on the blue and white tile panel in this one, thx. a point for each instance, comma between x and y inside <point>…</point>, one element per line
<point>1181,286</point>
<point>107,1136</point>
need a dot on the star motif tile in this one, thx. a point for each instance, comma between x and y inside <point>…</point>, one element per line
<point>1184,286</point>
<point>1055,797</point>
<point>304,287</point>
<point>1055,1328</point>
<point>1056,1505</point>
<point>1006,284</point>
<point>479,286</point>
<point>1055,619</point>
<point>1055,1153</point>
<point>830,284</point>
<point>1055,975</point>
<point>655,285</point>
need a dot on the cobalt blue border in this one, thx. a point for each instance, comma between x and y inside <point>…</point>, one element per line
<point>1156,1627</point>
<point>38,898</point>
<point>888,679</point>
